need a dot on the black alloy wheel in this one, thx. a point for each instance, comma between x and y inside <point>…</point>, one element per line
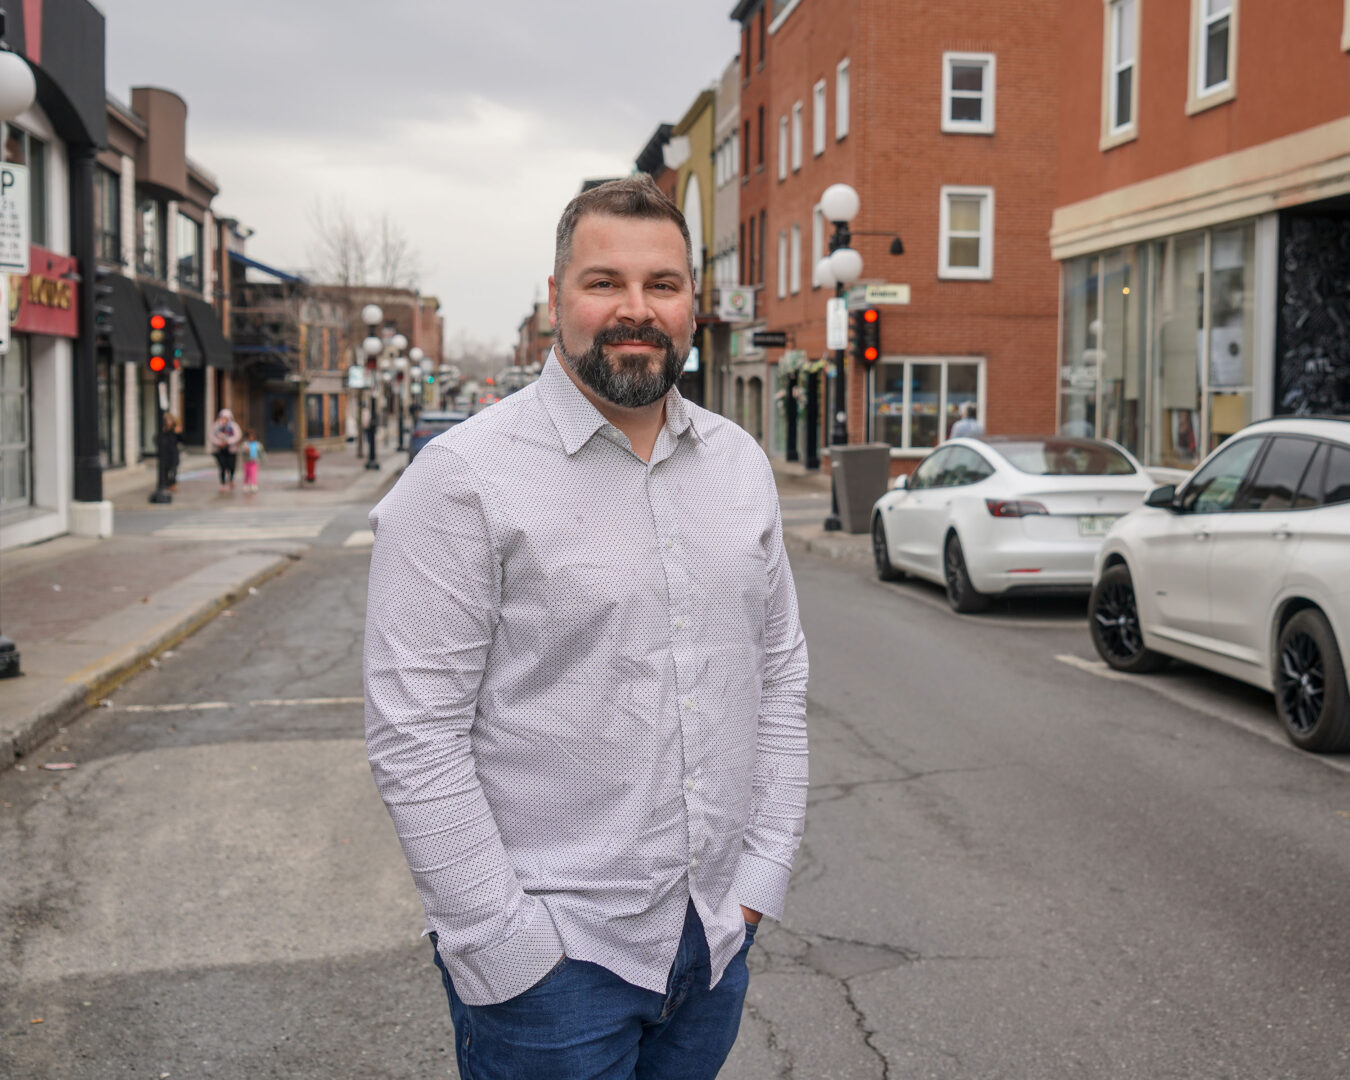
<point>881,553</point>
<point>1310,690</point>
<point>1113,615</point>
<point>961,594</point>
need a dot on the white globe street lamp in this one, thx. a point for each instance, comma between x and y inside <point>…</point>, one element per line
<point>415,355</point>
<point>372,346</point>
<point>846,265</point>
<point>839,203</point>
<point>372,315</point>
<point>823,275</point>
<point>399,342</point>
<point>18,88</point>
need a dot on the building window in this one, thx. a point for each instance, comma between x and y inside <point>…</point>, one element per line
<point>745,146</point>
<point>759,157</point>
<point>968,93</point>
<point>916,401</point>
<point>818,118</point>
<point>796,136</point>
<point>151,239</point>
<point>763,239</point>
<point>817,242</point>
<point>1213,53</point>
<point>782,147</point>
<point>107,215</point>
<point>1122,60</point>
<point>189,253</point>
<point>735,155</point>
<point>741,249</point>
<point>16,448</point>
<point>841,100</point>
<point>763,25</point>
<point>966,233</point>
<point>795,261</point>
<point>745,53</point>
<point>782,264</point>
<point>750,280</point>
<point>24,149</point>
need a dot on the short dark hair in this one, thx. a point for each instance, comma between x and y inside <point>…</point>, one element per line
<point>632,197</point>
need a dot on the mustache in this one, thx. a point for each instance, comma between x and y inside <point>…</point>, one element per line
<point>647,335</point>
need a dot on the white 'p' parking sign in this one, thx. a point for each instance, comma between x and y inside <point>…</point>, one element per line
<point>14,220</point>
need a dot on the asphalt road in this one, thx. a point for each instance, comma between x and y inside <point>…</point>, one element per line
<point>1015,865</point>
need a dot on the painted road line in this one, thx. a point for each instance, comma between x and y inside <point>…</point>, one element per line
<point>1198,701</point>
<point>360,538</point>
<point>261,703</point>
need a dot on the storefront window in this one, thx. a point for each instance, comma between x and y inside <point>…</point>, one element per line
<point>314,416</point>
<point>107,215</point>
<point>1232,334</point>
<point>189,253</point>
<point>111,380</point>
<point>151,239</point>
<point>16,451</point>
<point>1078,371</point>
<point>334,420</point>
<point>916,402</point>
<point>1122,353</point>
<point>24,149</point>
<point>1179,322</point>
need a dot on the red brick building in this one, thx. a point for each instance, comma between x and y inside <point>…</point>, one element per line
<point>943,118</point>
<point>1203,218</point>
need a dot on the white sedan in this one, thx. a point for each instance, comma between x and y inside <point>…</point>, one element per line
<point>1245,570</point>
<point>990,516</point>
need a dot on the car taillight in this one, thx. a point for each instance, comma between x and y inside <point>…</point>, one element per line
<point>422,433</point>
<point>1014,508</point>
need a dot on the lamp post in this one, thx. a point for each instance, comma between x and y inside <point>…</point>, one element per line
<point>398,343</point>
<point>372,316</point>
<point>415,356</point>
<point>842,267</point>
<point>18,91</point>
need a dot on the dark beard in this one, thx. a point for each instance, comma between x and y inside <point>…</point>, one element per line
<point>626,381</point>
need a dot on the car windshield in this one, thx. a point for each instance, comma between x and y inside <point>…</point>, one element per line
<point>1065,457</point>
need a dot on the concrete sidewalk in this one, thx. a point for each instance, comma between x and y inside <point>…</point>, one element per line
<point>88,614</point>
<point>793,481</point>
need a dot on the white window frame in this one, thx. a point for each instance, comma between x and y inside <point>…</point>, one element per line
<point>782,147</point>
<point>782,263</point>
<point>795,261</point>
<point>735,153</point>
<point>818,119</point>
<point>841,99</point>
<point>985,125</point>
<point>985,271</point>
<point>906,447</point>
<point>1345,28</point>
<point>817,241</point>
<point>797,134</point>
<point>1199,98</point>
<point>1114,134</point>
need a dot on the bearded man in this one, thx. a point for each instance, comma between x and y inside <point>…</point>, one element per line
<point>586,684</point>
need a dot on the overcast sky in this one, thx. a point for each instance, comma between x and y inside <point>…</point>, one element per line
<point>472,124</point>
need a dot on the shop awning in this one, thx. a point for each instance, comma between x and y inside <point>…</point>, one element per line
<point>206,324</point>
<point>157,296</point>
<point>129,342</point>
<point>280,275</point>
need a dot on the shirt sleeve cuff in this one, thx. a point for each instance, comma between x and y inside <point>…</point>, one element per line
<point>494,975</point>
<point>761,885</point>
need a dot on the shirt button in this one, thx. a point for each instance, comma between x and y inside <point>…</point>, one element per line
<point>688,703</point>
<point>689,784</point>
<point>679,624</point>
<point>693,863</point>
<point>670,541</point>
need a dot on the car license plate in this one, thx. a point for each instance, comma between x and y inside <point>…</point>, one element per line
<point>1096,524</point>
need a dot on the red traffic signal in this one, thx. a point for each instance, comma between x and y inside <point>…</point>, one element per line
<point>157,322</point>
<point>157,364</point>
<point>870,315</point>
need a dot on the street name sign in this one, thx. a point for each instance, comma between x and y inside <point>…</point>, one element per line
<point>861,296</point>
<point>769,339</point>
<point>836,323</point>
<point>14,221</point>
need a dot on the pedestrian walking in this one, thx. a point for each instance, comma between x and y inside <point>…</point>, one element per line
<point>253,455</point>
<point>586,684</point>
<point>225,439</point>
<point>968,427</point>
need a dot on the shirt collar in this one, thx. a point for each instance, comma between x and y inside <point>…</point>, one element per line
<point>576,419</point>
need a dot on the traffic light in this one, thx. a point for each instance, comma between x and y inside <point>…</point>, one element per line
<point>103,310</point>
<point>178,334</point>
<point>159,340</point>
<point>867,336</point>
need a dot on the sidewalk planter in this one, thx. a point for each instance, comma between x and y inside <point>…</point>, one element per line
<point>861,474</point>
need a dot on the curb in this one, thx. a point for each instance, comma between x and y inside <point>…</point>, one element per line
<point>101,678</point>
<point>843,547</point>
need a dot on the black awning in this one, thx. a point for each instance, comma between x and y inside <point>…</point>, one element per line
<point>205,323</point>
<point>157,296</point>
<point>129,342</point>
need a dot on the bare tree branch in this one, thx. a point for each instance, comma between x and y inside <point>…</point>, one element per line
<point>346,251</point>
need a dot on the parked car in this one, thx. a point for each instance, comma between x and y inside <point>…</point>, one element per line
<point>1245,570</point>
<point>987,517</point>
<point>429,425</point>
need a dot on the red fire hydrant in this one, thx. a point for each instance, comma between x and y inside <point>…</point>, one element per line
<point>311,456</point>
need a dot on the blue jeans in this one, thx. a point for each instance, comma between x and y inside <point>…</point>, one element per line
<point>583,1022</point>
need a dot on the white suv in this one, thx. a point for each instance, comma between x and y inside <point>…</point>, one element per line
<point>1244,569</point>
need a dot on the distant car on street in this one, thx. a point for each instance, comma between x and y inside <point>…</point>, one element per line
<point>430,424</point>
<point>1245,570</point>
<point>987,517</point>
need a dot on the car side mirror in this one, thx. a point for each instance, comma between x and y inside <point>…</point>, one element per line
<point>900,483</point>
<point>1163,498</point>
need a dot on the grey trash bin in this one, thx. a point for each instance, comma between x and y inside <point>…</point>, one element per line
<point>861,474</point>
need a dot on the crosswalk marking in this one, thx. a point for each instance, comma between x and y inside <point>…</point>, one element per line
<point>257,525</point>
<point>360,538</point>
<point>260,703</point>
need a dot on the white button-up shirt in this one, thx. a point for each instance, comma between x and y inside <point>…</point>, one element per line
<point>586,688</point>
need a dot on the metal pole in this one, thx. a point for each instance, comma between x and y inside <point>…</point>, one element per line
<point>372,462</point>
<point>88,479</point>
<point>839,428</point>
